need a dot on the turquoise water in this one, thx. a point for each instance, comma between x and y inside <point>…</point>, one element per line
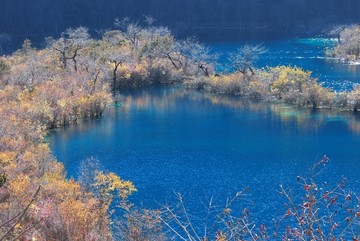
<point>308,54</point>
<point>168,139</point>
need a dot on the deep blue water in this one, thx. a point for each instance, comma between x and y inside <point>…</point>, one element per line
<point>167,139</point>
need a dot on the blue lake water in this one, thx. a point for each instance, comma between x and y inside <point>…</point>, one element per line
<point>308,54</point>
<point>168,139</point>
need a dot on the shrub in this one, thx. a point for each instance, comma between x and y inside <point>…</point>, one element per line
<point>313,212</point>
<point>353,99</point>
<point>348,49</point>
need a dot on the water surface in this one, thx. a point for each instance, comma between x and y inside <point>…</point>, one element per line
<point>170,140</point>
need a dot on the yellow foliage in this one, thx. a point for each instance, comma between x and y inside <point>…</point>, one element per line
<point>61,189</point>
<point>7,157</point>
<point>80,218</point>
<point>110,184</point>
<point>9,93</point>
<point>285,78</point>
<point>20,185</point>
<point>56,174</point>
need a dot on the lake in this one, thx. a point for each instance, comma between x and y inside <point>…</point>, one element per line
<point>169,139</point>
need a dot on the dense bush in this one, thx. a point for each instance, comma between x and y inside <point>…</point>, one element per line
<point>291,85</point>
<point>37,202</point>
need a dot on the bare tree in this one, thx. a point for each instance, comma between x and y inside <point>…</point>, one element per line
<point>70,44</point>
<point>27,46</point>
<point>160,44</point>
<point>198,54</point>
<point>226,223</point>
<point>335,31</point>
<point>87,172</point>
<point>115,52</point>
<point>325,212</point>
<point>149,20</point>
<point>132,31</point>
<point>244,59</point>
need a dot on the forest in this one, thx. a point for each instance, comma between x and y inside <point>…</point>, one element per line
<point>209,20</point>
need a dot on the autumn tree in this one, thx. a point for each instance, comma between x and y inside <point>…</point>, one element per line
<point>296,86</point>
<point>92,68</point>
<point>110,187</point>
<point>140,225</point>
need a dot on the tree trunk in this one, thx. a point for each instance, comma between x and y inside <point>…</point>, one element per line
<point>117,64</point>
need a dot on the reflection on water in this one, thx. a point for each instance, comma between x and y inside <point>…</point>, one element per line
<point>305,118</point>
<point>169,139</point>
